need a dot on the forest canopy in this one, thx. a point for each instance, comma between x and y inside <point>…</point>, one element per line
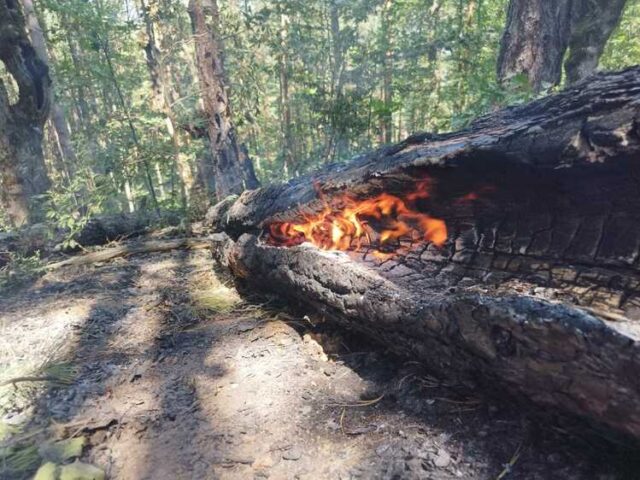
<point>309,83</point>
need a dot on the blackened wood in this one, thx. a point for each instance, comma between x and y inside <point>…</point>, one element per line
<point>537,289</point>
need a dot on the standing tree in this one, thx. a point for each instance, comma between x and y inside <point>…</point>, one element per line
<point>22,169</point>
<point>58,117</point>
<point>538,33</point>
<point>161,100</point>
<point>233,167</point>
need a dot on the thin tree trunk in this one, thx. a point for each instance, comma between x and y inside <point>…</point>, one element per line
<point>288,152</point>
<point>387,75</point>
<point>162,102</point>
<point>23,172</point>
<point>234,170</point>
<point>134,134</point>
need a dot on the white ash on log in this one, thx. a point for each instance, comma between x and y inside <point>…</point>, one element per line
<point>535,286</point>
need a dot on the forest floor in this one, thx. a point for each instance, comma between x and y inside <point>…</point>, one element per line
<point>164,372</point>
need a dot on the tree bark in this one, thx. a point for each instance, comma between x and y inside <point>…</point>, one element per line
<point>538,33</point>
<point>592,23</point>
<point>57,116</point>
<point>288,150</point>
<point>23,171</point>
<point>234,170</point>
<point>534,41</point>
<point>386,123</point>
<point>162,102</point>
<point>536,290</point>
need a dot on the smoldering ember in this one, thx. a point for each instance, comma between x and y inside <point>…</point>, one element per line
<point>269,239</point>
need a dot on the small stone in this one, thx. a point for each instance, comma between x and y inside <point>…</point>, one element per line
<point>382,449</point>
<point>63,450</point>
<point>443,459</point>
<point>333,425</point>
<point>294,454</point>
<point>243,459</point>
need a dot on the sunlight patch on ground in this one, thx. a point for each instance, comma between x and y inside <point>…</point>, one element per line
<point>31,341</point>
<point>209,295</point>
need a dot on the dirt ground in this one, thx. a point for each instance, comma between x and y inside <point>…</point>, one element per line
<point>168,374</point>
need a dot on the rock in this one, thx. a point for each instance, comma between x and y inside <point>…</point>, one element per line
<point>443,459</point>
<point>294,454</point>
<point>382,449</point>
<point>243,459</point>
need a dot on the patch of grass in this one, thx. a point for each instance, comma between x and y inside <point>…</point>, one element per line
<point>7,430</point>
<point>19,269</point>
<point>209,295</point>
<point>216,299</point>
<point>57,373</point>
<point>60,373</point>
<point>18,461</point>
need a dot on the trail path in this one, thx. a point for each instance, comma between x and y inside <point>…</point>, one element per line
<point>168,374</point>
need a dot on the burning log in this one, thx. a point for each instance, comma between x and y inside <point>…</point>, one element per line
<point>508,253</point>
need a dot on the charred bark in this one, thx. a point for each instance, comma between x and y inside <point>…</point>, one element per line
<point>23,173</point>
<point>537,289</point>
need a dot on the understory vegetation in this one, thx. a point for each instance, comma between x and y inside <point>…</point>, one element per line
<point>310,83</point>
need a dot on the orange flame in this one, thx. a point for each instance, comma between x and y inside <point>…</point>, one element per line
<point>347,223</point>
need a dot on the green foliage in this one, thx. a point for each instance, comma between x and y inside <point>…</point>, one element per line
<point>623,48</point>
<point>70,207</point>
<point>18,461</point>
<point>310,83</point>
<point>18,269</point>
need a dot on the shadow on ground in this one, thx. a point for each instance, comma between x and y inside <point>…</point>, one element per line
<point>178,378</point>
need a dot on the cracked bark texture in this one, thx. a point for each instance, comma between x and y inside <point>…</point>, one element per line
<point>537,290</point>
<point>23,173</point>
<point>538,33</point>
<point>233,167</point>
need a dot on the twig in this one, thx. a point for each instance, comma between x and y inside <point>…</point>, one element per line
<point>509,466</point>
<point>13,381</point>
<point>361,403</point>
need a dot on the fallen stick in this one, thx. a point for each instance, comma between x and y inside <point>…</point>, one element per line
<point>131,249</point>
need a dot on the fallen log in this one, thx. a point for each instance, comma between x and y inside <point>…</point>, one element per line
<point>507,253</point>
<point>98,230</point>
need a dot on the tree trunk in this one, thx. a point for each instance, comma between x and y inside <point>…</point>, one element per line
<point>162,103</point>
<point>592,23</point>
<point>536,288</point>
<point>534,41</point>
<point>288,151</point>
<point>23,172</point>
<point>234,170</point>
<point>104,45</point>
<point>387,75</point>
<point>57,115</point>
<point>538,33</point>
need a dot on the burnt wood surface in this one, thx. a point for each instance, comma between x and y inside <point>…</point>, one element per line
<point>537,289</point>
